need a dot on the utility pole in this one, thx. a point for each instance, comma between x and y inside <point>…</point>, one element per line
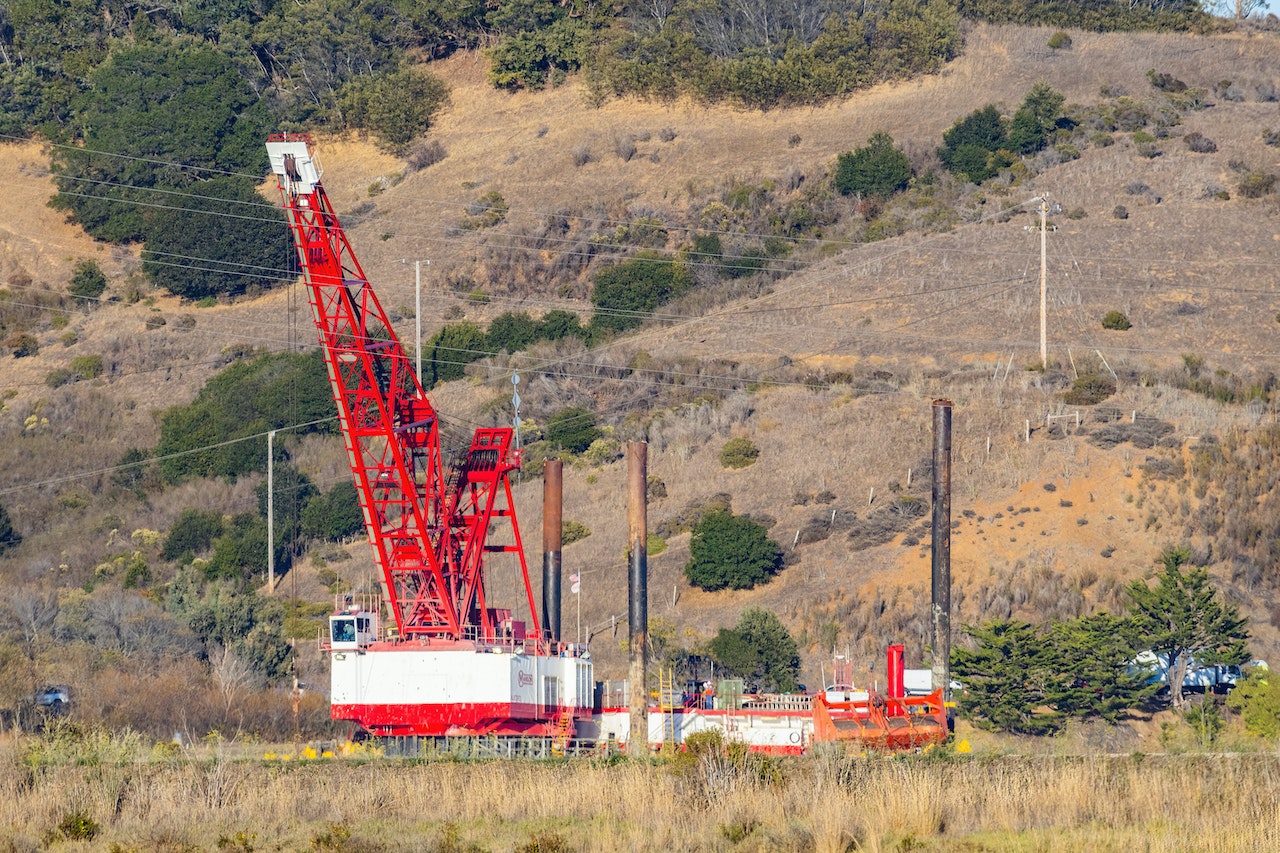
<point>1044,284</point>
<point>417,316</point>
<point>271,512</point>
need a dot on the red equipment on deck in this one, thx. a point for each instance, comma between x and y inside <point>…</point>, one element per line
<point>893,722</point>
<point>430,525</point>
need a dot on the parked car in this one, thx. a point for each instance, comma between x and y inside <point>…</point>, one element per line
<point>1199,678</point>
<point>54,699</point>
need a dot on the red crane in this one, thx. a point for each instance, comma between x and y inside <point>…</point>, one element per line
<point>429,523</point>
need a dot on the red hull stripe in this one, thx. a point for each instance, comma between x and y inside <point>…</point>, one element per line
<point>456,720</point>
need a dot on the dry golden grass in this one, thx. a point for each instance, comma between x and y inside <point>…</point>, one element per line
<point>1162,804</point>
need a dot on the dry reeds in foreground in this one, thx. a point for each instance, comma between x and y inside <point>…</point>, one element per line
<point>821,803</point>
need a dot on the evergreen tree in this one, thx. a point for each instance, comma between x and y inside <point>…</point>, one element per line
<point>1035,119</point>
<point>974,147</point>
<point>1008,679</point>
<point>9,538</point>
<point>1182,615</point>
<point>878,169</point>
<point>1093,675</point>
<point>729,551</point>
<point>760,650</point>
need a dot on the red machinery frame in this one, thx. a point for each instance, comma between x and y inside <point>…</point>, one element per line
<point>429,524</point>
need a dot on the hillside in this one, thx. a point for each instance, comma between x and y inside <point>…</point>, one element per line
<point>1053,526</point>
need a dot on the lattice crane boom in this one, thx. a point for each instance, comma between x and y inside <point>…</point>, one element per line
<point>429,526</point>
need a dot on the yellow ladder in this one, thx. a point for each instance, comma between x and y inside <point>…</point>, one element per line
<point>563,733</point>
<point>667,704</point>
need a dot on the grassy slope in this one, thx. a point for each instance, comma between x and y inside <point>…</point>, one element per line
<point>1163,257</point>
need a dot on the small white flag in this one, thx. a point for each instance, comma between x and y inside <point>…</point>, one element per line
<point>575,588</point>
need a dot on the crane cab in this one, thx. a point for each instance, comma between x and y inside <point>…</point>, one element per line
<point>352,629</point>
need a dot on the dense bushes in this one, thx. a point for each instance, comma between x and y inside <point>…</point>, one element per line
<point>238,240</point>
<point>759,650</point>
<point>982,143</point>
<point>792,54</point>
<point>1101,16</point>
<point>572,429</point>
<point>627,294</point>
<point>244,401</point>
<point>88,282</point>
<point>447,353</point>
<point>878,169</point>
<point>397,106</point>
<point>730,551</point>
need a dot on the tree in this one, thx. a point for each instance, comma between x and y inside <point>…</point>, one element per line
<point>450,350</point>
<point>1007,679</point>
<point>1237,9</point>
<point>240,554</point>
<point>1093,676</point>
<point>397,106</point>
<point>974,146</point>
<point>152,106</point>
<point>626,294</point>
<point>1182,616</point>
<point>245,400</point>
<point>877,170</point>
<point>512,331</point>
<point>88,282</point>
<point>558,323</point>
<point>1035,119</point>
<point>9,538</point>
<point>192,534</point>
<point>240,241</point>
<point>334,515</point>
<point>760,650</point>
<point>572,429</point>
<point>729,551</point>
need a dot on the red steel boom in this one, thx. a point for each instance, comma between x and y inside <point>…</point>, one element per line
<point>429,525</point>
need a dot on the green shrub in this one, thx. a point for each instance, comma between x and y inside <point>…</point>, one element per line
<point>1059,41</point>
<point>573,531</point>
<point>1035,119</point>
<point>1257,698</point>
<point>450,350</point>
<point>246,399</point>
<point>512,331</point>
<point>1256,184</point>
<point>1116,321</point>
<point>626,294</point>
<point>877,170</point>
<point>572,429</point>
<point>731,552</point>
<point>58,377</point>
<point>1088,389</point>
<point>486,211</point>
<point>335,515</point>
<point>738,453</point>
<point>602,451</point>
<point>396,106</point>
<point>88,282</point>
<point>87,366</point>
<point>760,650</point>
<point>78,825</point>
<point>973,148</point>
<point>192,534</point>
